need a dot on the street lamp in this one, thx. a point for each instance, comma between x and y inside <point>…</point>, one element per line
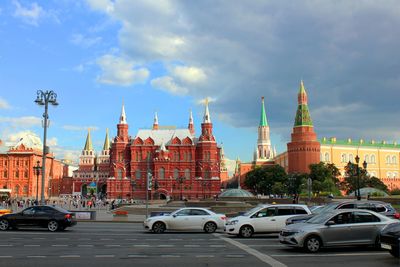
<point>43,99</point>
<point>180,180</point>
<point>36,170</point>
<point>357,158</point>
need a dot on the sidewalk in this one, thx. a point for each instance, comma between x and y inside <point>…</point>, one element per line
<point>108,216</point>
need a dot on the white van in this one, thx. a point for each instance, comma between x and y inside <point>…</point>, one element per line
<point>263,219</point>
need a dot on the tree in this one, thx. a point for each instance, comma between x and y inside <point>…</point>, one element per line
<point>262,180</point>
<point>324,177</point>
<point>296,182</point>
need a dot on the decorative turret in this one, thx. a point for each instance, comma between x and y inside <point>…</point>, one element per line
<point>122,118</point>
<point>304,148</point>
<point>155,123</point>
<point>87,158</point>
<point>106,146</point>
<point>88,143</point>
<point>264,152</point>
<point>191,124</point>
<point>206,126</point>
<point>103,160</point>
<point>122,134</point>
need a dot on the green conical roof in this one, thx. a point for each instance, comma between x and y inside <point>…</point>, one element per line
<point>303,117</point>
<point>106,142</point>
<point>263,119</point>
<point>88,144</point>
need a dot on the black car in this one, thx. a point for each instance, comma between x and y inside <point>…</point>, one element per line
<point>390,239</point>
<point>51,217</point>
<point>377,206</point>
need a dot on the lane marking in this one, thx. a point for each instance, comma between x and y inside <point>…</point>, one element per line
<point>85,246</point>
<point>191,246</point>
<point>104,256</point>
<point>112,245</point>
<point>165,246</point>
<point>84,239</point>
<point>36,256</point>
<point>204,256</point>
<point>62,238</point>
<point>198,239</point>
<point>59,245</point>
<point>106,239</point>
<point>263,257</point>
<point>170,256</point>
<point>5,257</point>
<point>31,245</point>
<point>330,255</point>
<point>141,245</point>
<point>70,256</point>
<point>152,239</point>
<point>137,256</point>
<point>235,256</point>
<point>217,246</point>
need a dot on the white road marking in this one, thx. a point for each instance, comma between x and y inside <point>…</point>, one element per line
<point>62,238</point>
<point>263,257</point>
<point>235,256</point>
<point>36,256</point>
<point>165,246</point>
<point>112,245</point>
<point>170,256</point>
<point>137,256</point>
<point>152,239</point>
<point>217,246</point>
<point>141,245</point>
<point>59,245</point>
<point>191,246</point>
<point>4,257</point>
<point>106,239</point>
<point>70,256</point>
<point>204,256</point>
<point>175,239</point>
<point>84,246</point>
<point>31,245</point>
<point>84,239</point>
<point>198,239</point>
<point>104,256</point>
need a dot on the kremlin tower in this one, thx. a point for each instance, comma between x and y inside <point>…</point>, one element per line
<point>263,152</point>
<point>304,148</point>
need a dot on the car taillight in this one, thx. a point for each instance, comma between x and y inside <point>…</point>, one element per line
<point>397,215</point>
<point>68,216</point>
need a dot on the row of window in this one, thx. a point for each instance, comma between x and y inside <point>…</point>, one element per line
<point>344,158</point>
<point>15,163</point>
<point>17,174</point>
<point>161,174</point>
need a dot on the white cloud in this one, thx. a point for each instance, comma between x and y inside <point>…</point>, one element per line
<point>79,128</point>
<point>120,71</point>
<point>12,138</point>
<point>26,122</point>
<point>52,141</point>
<point>101,5</point>
<point>4,104</point>
<point>189,74</point>
<point>30,15</point>
<point>84,41</point>
<point>167,84</point>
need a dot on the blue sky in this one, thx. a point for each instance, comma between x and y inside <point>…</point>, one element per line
<point>167,56</point>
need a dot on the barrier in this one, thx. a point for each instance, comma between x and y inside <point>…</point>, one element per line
<point>85,215</point>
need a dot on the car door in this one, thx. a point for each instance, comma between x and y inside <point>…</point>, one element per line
<point>43,215</point>
<point>264,220</point>
<point>180,220</point>
<point>198,218</point>
<point>340,232</point>
<point>364,228</point>
<point>25,217</point>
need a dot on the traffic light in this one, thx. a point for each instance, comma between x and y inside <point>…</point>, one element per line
<point>149,181</point>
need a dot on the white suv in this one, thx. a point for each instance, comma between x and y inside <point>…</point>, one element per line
<point>263,219</point>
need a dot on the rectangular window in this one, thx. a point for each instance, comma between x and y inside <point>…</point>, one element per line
<point>16,174</point>
<point>26,174</point>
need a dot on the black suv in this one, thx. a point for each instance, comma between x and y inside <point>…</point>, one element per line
<point>377,206</point>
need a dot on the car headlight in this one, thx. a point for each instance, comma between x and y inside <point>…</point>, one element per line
<point>233,222</point>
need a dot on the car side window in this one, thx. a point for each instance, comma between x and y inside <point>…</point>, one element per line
<point>29,211</point>
<point>347,206</point>
<point>183,213</point>
<point>198,212</point>
<point>343,218</point>
<point>364,217</point>
<point>379,208</point>
<point>283,211</point>
<point>46,210</point>
<point>300,210</point>
<point>267,212</point>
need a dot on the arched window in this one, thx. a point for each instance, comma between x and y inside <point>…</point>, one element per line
<point>394,160</point>
<point>327,159</point>
<point>207,174</point>
<point>344,158</point>
<point>187,174</point>
<point>17,189</point>
<point>388,160</point>
<point>373,160</point>
<point>184,156</point>
<point>161,173</point>
<point>138,174</point>
<point>189,156</point>
<point>119,174</point>
<point>176,173</point>
<point>25,190</point>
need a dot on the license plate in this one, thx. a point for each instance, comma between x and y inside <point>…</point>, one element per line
<point>386,246</point>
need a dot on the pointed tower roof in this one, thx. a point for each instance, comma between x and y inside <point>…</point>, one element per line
<point>155,122</point>
<point>88,144</point>
<point>303,117</point>
<point>263,119</point>
<point>206,118</point>
<point>162,147</point>
<point>106,145</point>
<point>122,118</point>
<point>191,117</point>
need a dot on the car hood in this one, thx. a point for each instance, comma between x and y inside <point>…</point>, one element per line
<point>392,230</point>
<point>302,227</point>
<point>301,217</point>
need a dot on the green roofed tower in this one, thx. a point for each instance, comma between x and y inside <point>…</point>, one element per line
<point>263,151</point>
<point>303,117</point>
<point>263,119</point>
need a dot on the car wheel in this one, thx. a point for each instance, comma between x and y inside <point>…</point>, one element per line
<point>158,227</point>
<point>4,225</point>
<point>52,226</point>
<point>210,227</point>
<point>312,244</point>
<point>395,252</point>
<point>246,231</point>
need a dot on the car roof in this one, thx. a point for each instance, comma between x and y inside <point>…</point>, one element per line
<point>283,205</point>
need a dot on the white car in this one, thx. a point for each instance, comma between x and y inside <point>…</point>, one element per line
<point>186,219</point>
<point>263,219</point>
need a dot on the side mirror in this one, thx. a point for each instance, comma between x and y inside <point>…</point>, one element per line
<point>174,215</point>
<point>329,223</point>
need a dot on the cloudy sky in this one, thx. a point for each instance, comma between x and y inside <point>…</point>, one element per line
<point>166,56</point>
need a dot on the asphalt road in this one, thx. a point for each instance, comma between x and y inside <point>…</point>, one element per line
<point>127,244</point>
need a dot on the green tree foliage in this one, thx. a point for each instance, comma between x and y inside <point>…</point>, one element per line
<point>296,183</point>
<point>267,180</point>
<point>350,182</point>
<point>324,177</point>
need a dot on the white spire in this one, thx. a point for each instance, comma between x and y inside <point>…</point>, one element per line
<point>191,117</point>
<point>206,118</point>
<point>155,118</point>
<point>275,152</point>
<point>122,119</point>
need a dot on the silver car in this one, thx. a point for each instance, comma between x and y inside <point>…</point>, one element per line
<point>336,228</point>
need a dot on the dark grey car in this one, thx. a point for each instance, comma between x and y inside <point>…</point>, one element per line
<point>336,228</point>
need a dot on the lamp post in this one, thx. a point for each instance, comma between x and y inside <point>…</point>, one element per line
<point>180,180</point>
<point>36,170</point>
<point>43,99</point>
<point>357,158</point>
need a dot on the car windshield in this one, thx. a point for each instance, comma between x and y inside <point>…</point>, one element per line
<point>250,212</point>
<point>325,209</point>
<point>320,218</point>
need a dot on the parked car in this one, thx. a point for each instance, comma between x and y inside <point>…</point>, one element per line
<point>377,206</point>
<point>186,219</point>
<point>263,219</point>
<point>51,217</point>
<point>4,210</point>
<point>336,228</point>
<point>390,239</point>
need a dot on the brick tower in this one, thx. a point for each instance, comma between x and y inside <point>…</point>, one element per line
<point>304,148</point>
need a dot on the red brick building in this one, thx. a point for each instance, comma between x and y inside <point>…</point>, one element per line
<point>17,173</point>
<point>180,164</point>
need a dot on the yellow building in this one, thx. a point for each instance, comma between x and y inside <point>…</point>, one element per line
<point>382,158</point>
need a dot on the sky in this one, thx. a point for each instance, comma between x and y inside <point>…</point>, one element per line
<point>168,56</point>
